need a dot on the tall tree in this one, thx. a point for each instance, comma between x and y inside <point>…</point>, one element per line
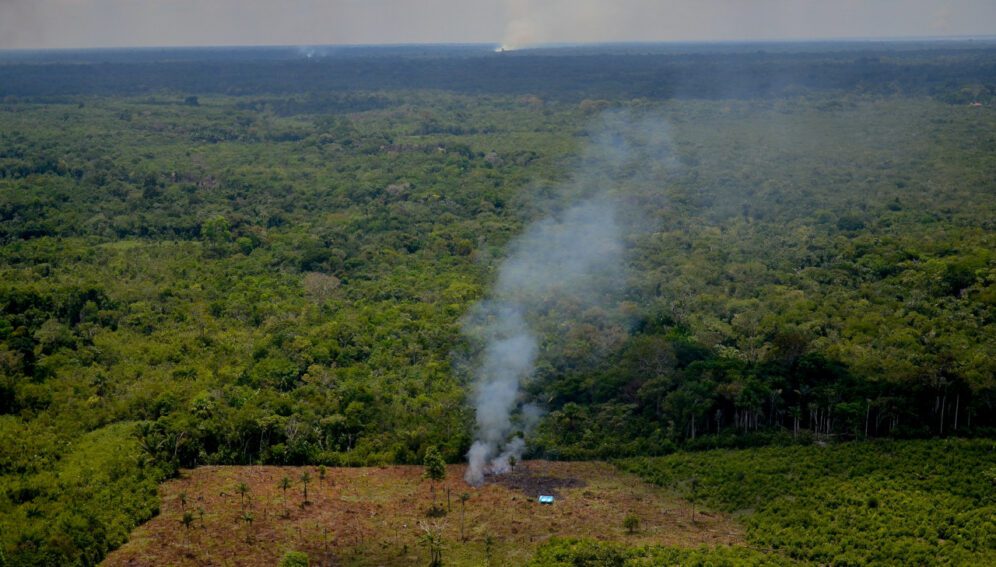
<point>435,469</point>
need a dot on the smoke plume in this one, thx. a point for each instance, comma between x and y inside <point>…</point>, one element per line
<point>566,264</point>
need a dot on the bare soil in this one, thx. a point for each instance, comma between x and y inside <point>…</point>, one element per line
<point>374,516</point>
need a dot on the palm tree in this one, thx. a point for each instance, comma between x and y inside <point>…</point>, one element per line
<point>187,520</point>
<point>242,489</point>
<point>247,518</point>
<point>305,479</point>
<point>285,483</point>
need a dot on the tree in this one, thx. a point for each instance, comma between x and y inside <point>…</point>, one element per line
<point>285,483</point>
<point>693,489</point>
<point>248,519</point>
<point>321,476</point>
<point>305,479</point>
<point>216,233</point>
<point>435,470</point>
<point>187,520</point>
<point>432,538</point>
<point>243,490</point>
<point>631,523</point>
<point>320,287</point>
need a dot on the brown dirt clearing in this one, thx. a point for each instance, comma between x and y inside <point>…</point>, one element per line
<point>372,516</point>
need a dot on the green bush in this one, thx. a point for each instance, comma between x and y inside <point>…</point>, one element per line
<point>631,522</point>
<point>294,559</point>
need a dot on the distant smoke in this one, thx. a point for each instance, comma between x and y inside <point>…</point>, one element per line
<point>574,257</point>
<point>521,25</point>
<point>530,23</point>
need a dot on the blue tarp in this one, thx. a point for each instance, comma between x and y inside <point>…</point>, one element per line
<point>546,499</point>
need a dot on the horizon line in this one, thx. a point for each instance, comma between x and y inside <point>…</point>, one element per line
<point>545,45</point>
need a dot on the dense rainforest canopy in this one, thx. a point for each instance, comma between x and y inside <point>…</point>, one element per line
<point>204,261</point>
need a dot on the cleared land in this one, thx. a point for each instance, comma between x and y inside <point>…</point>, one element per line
<point>372,516</point>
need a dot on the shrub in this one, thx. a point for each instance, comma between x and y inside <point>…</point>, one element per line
<point>294,559</point>
<point>631,523</point>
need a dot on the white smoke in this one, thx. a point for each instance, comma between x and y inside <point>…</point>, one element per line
<point>574,257</point>
<point>529,23</point>
<point>521,25</point>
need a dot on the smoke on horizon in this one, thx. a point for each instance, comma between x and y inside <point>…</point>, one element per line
<point>574,257</point>
<point>33,24</point>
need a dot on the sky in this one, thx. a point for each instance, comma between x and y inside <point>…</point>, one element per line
<point>34,24</point>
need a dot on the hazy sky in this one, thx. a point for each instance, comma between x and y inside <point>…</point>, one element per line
<point>111,23</point>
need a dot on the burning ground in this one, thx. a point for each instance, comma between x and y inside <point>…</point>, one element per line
<point>371,516</point>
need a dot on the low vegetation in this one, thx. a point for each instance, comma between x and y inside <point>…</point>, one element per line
<point>881,503</point>
<point>71,505</point>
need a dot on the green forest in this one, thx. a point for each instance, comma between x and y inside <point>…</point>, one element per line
<point>222,273</point>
